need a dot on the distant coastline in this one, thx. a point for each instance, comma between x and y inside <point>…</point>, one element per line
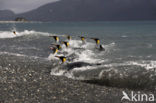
<point>86,10</point>
<point>19,22</point>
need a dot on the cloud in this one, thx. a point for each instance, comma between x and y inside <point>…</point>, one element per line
<point>1,4</point>
<point>19,6</point>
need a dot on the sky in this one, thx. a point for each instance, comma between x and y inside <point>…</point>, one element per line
<point>19,6</point>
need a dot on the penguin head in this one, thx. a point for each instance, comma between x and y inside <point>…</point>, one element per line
<point>62,58</point>
<point>14,32</point>
<point>68,37</point>
<point>82,38</point>
<point>96,40</point>
<point>65,43</point>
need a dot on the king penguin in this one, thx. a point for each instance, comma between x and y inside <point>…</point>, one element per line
<point>56,38</point>
<point>62,58</point>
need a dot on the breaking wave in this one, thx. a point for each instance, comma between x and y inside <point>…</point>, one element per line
<point>10,34</point>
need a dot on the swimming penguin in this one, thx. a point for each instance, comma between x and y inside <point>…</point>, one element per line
<point>14,32</point>
<point>68,37</point>
<point>101,48</point>
<point>82,39</point>
<point>55,50</point>
<point>56,38</point>
<point>96,40</point>
<point>65,43</point>
<point>62,58</point>
<point>58,46</point>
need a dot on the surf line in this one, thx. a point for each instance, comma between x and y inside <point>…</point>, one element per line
<point>57,47</point>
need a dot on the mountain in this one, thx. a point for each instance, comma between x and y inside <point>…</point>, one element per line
<point>94,10</point>
<point>6,15</point>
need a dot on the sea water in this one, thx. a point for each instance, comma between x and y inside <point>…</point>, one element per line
<point>129,58</point>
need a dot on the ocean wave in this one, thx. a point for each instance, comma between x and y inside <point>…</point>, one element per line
<point>21,55</point>
<point>10,34</point>
<point>124,75</point>
<point>85,62</point>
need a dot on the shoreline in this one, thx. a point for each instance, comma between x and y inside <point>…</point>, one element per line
<point>32,82</point>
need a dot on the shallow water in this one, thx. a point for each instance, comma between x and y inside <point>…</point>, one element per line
<point>129,58</point>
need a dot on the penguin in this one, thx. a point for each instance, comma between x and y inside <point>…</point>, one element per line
<point>96,40</point>
<point>62,58</point>
<point>65,43</point>
<point>57,45</point>
<point>69,37</point>
<point>82,39</point>
<point>55,50</point>
<point>14,32</point>
<point>101,48</point>
<point>56,38</point>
